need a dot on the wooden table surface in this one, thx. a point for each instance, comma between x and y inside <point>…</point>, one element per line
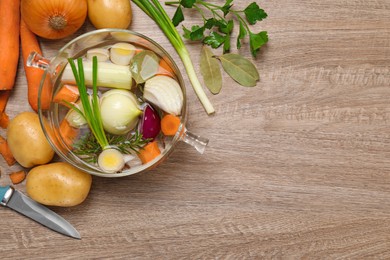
<point>296,167</point>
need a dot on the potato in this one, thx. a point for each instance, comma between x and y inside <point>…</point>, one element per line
<point>110,13</point>
<point>27,141</point>
<point>58,184</point>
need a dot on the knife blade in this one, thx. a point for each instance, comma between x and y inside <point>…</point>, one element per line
<point>26,206</point>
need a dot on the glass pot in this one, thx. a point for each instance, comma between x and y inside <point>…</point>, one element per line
<point>51,118</point>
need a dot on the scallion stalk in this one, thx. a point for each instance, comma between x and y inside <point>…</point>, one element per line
<point>110,160</point>
<point>155,11</point>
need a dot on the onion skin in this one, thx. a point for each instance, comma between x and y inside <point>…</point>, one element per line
<point>150,124</point>
<point>110,13</point>
<point>54,19</point>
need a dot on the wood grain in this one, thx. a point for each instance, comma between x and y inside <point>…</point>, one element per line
<point>296,168</point>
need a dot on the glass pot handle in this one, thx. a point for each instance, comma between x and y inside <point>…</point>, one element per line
<point>36,60</point>
<point>196,141</point>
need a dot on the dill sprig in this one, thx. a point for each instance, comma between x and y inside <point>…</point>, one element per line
<point>88,147</point>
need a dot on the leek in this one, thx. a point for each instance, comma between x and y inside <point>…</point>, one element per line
<point>155,11</point>
<point>110,75</point>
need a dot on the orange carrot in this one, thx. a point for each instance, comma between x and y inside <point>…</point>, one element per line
<point>30,44</point>
<point>68,132</point>
<point>6,152</point>
<point>4,96</point>
<point>4,120</point>
<point>17,177</point>
<point>149,152</point>
<point>9,42</point>
<point>68,93</point>
<point>170,124</point>
<point>165,69</point>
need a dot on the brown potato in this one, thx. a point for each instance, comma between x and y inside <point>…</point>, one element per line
<point>27,141</point>
<point>110,13</point>
<point>58,184</point>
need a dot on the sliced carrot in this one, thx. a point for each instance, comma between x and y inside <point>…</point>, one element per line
<point>29,43</point>
<point>4,120</point>
<point>17,177</point>
<point>69,93</point>
<point>149,152</point>
<point>9,42</point>
<point>165,69</point>
<point>6,152</point>
<point>68,132</point>
<point>170,124</point>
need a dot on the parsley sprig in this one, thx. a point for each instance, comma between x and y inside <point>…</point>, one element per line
<point>217,30</point>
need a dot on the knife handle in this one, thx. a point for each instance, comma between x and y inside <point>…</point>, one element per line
<point>5,194</point>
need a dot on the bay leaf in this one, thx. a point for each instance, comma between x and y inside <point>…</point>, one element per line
<point>210,70</point>
<point>144,65</point>
<point>240,69</point>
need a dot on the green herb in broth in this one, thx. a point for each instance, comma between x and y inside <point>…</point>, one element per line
<point>88,147</point>
<point>109,158</point>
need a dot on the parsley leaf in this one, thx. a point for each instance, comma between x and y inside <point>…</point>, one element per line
<point>195,34</point>
<point>257,40</point>
<point>214,40</point>
<point>187,3</point>
<point>254,13</point>
<point>178,17</point>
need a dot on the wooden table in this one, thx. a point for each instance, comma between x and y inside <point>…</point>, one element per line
<point>296,167</point>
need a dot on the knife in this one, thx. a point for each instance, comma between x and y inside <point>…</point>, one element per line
<point>24,205</point>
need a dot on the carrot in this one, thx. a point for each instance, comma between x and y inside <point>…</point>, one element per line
<point>6,152</point>
<point>17,177</point>
<point>9,42</point>
<point>4,120</point>
<point>68,132</point>
<point>69,93</point>
<point>170,124</point>
<point>4,96</point>
<point>149,152</point>
<point>165,69</point>
<point>30,44</point>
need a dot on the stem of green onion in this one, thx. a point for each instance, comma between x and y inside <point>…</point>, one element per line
<point>155,11</point>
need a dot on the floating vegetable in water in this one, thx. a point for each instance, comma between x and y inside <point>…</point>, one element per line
<point>110,75</point>
<point>121,53</point>
<point>150,123</point>
<point>165,93</point>
<point>74,118</point>
<point>144,65</point>
<point>102,54</point>
<point>119,111</point>
<point>170,124</point>
<point>91,112</point>
<point>110,160</point>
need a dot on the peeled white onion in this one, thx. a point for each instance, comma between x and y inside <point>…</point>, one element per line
<point>119,111</point>
<point>165,93</point>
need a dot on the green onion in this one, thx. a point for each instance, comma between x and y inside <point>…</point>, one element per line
<point>110,159</point>
<point>155,11</point>
<point>91,107</point>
